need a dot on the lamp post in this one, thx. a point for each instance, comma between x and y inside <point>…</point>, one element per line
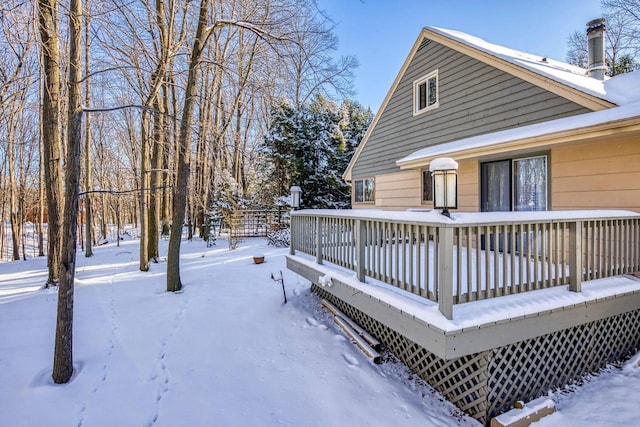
<point>295,197</point>
<point>445,184</point>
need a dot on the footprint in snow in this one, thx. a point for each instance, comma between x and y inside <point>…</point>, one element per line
<point>350,359</point>
<point>311,321</point>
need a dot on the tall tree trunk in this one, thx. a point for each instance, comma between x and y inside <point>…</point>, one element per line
<point>14,210</point>
<point>41,189</point>
<point>180,190</point>
<point>48,17</point>
<point>156,171</point>
<point>142,197</point>
<point>168,181</point>
<point>87,146</point>
<point>63,353</point>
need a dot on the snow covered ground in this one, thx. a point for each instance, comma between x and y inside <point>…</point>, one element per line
<point>224,352</point>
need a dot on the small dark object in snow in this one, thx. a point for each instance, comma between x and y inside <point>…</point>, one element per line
<point>281,280</point>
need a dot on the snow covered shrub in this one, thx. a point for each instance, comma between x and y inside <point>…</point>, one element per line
<point>279,238</point>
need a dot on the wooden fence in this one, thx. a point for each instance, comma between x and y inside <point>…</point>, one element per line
<point>254,223</point>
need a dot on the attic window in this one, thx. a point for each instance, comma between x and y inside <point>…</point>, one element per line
<point>425,93</point>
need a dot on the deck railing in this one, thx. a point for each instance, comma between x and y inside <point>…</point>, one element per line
<point>473,256</point>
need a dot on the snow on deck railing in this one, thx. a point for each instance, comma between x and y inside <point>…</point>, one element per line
<point>472,256</point>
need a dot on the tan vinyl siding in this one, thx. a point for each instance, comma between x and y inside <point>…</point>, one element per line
<point>468,186</point>
<point>597,175</point>
<point>403,190</point>
<point>474,99</point>
<point>399,191</point>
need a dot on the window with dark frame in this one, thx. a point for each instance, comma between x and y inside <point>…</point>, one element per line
<point>518,184</point>
<point>427,186</point>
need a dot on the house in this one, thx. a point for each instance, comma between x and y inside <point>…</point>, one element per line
<point>490,306</point>
<point>528,132</point>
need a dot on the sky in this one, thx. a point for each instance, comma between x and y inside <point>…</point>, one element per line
<point>380,33</point>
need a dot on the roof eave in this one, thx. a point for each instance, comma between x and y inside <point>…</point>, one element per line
<point>539,141</point>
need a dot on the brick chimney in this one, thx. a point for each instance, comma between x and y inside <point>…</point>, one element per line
<point>595,35</point>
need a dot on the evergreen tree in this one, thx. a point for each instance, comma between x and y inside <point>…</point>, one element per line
<point>311,146</point>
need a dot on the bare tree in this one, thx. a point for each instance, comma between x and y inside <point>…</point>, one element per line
<point>311,63</point>
<point>184,149</point>
<point>51,143</point>
<point>264,20</point>
<point>88,185</point>
<point>622,38</point>
<point>16,65</point>
<point>63,353</point>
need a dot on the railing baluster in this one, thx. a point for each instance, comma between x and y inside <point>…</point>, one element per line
<point>607,241</point>
<point>403,259</point>
<point>544,261</point>
<point>487,262</point>
<point>418,277</point>
<point>479,251</point>
<point>495,286</point>
<point>625,247</point>
<point>459,275</point>
<point>634,243</point>
<point>423,260</point>
<point>512,256</point>
<point>505,258</point>
<point>429,254</point>
<point>469,291</point>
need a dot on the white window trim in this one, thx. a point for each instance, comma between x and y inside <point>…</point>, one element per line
<point>363,191</point>
<point>417,82</point>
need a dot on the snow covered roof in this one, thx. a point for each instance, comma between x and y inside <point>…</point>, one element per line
<point>623,90</point>
<point>618,115</point>
<point>607,97</point>
<point>561,72</point>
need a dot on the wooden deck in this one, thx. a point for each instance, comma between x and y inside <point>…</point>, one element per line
<point>488,309</point>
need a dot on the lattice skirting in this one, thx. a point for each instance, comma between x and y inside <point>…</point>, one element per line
<point>488,383</point>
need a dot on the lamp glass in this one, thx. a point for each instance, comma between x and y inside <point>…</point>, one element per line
<point>295,196</point>
<point>439,189</point>
<point>451,185</point>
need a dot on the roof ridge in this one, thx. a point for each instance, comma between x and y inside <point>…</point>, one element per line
<point>561,72</point>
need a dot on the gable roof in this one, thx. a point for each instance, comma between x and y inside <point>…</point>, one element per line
<point>567,81</point>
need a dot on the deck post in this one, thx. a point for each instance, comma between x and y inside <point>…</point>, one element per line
<point>445,271</point>
<point>318,240</point>
<point>292,234</point>
<point>575,256</point>
<point>360,242</point>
